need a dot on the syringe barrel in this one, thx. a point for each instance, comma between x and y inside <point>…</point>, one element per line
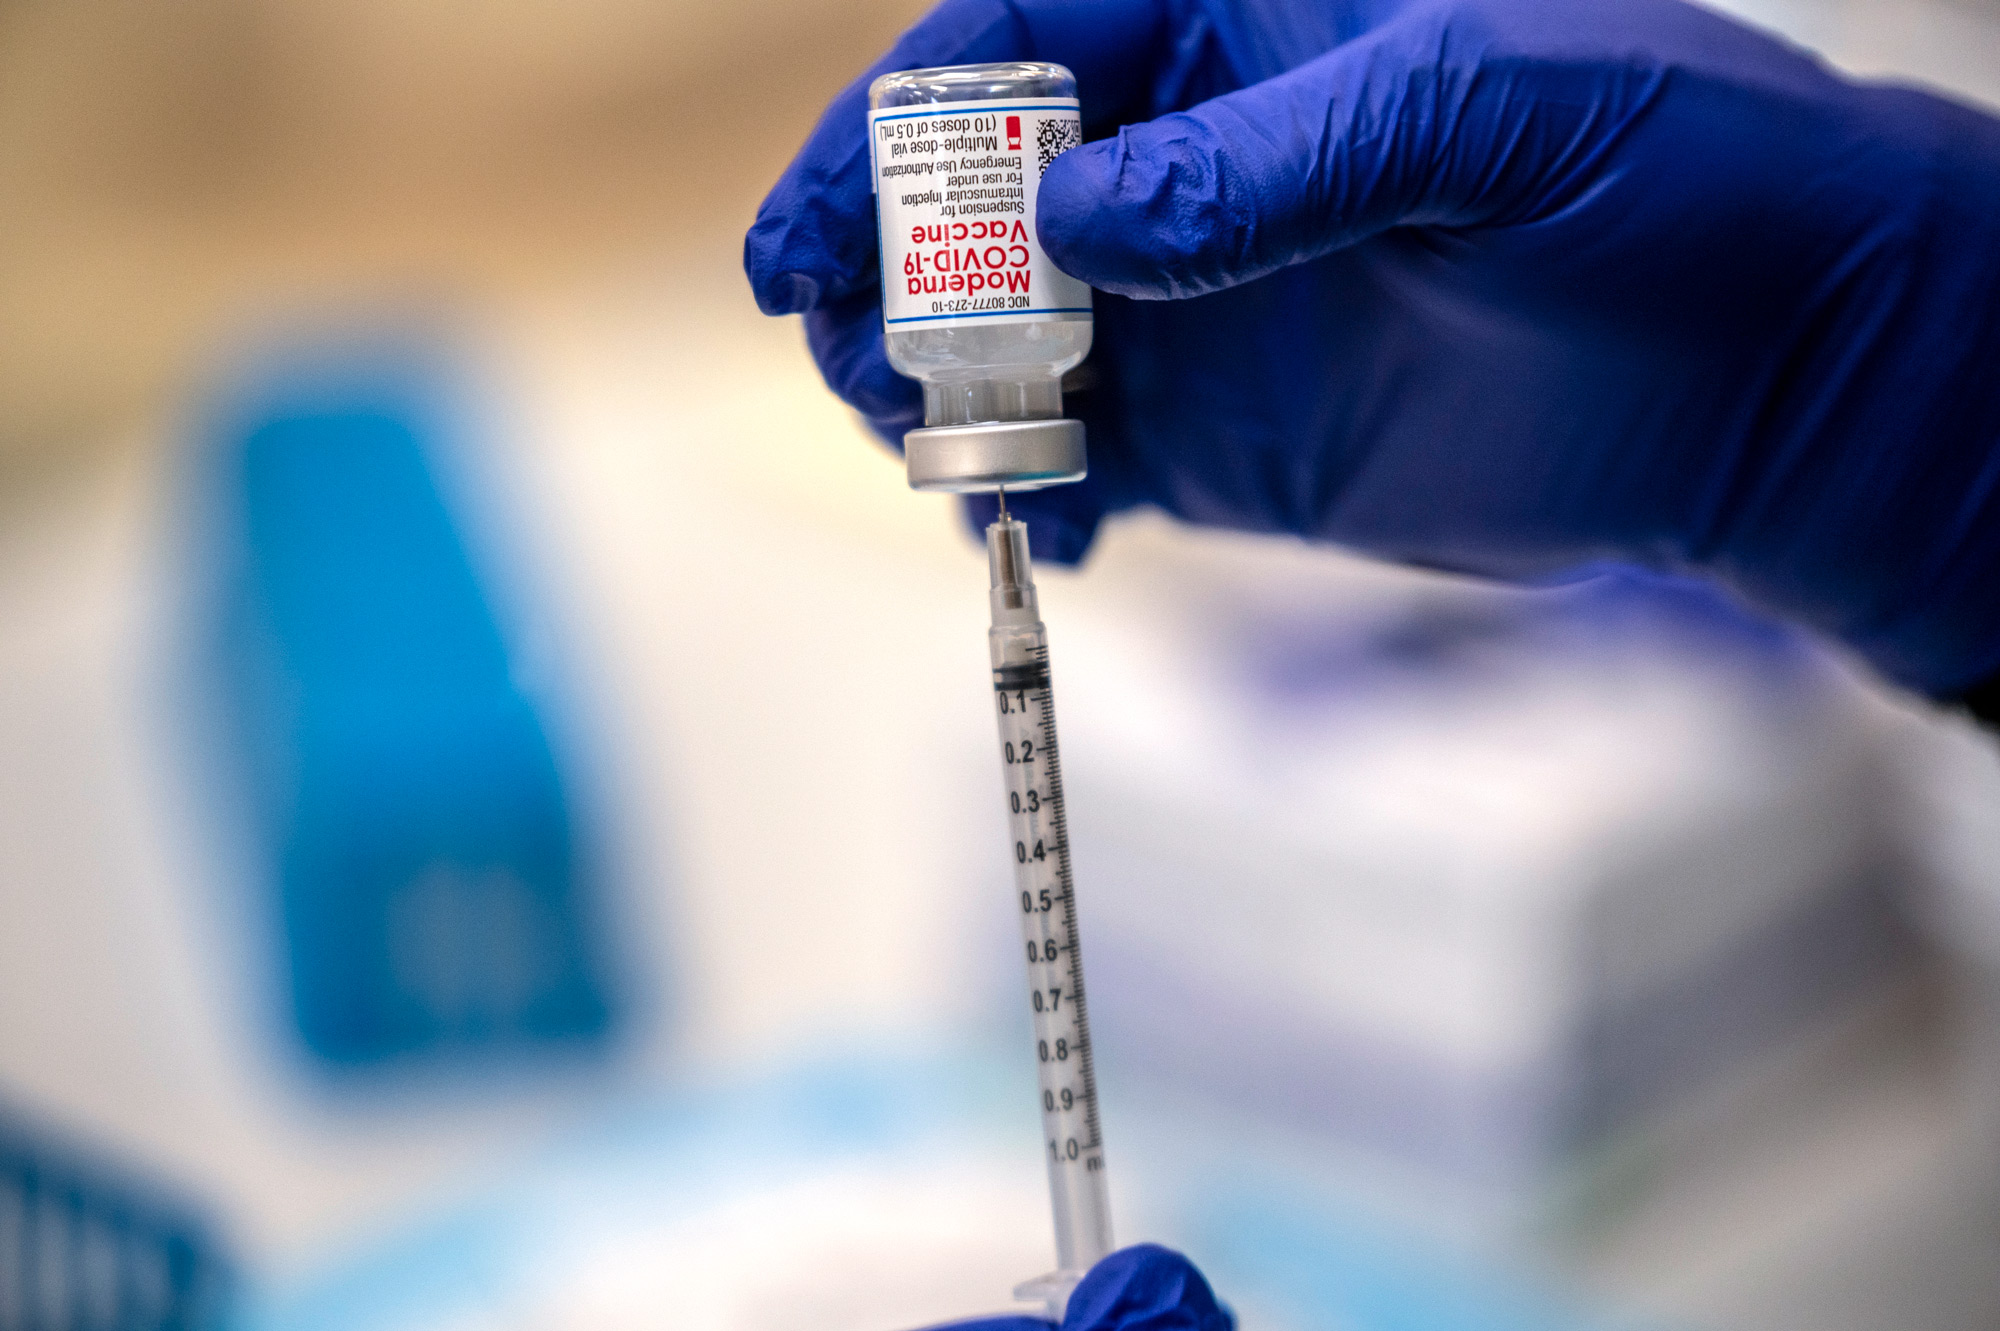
<point>1039,828</point>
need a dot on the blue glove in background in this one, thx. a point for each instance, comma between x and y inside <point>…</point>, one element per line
<point>1141,1288</point>
<point>1494,286</point>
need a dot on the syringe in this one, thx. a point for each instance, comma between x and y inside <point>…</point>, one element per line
<point>992,371</point>
<point>1040,835</point>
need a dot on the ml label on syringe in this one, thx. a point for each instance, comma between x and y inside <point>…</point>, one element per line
<point>957,185</point>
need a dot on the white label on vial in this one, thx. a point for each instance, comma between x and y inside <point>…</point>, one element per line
<point>955,190</point>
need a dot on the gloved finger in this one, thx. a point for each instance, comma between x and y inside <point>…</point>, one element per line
<point>998,1324</point>
<point>1414,122</point>
<point>1145,1288</point>
<point>846,342</point>
<point>814,238</point>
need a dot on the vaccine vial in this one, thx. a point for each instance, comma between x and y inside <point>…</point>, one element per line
<point>971,307</point>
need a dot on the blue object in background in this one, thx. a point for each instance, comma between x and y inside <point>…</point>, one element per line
<point>413,814</point>
<point>82,1249</point>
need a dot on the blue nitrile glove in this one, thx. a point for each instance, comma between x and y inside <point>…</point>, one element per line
<point>1141,1288</point>
<point>1495,285</point>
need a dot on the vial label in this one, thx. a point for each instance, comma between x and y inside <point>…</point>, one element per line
<point>955,190</point>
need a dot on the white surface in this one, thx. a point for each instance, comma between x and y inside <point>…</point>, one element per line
<point>1474,866</point>
<point>1952,46</point>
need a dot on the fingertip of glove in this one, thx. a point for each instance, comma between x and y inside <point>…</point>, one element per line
<point>980,512</point>
<point>1146,1285</point>
<point>1073,192</point>
<point>778,287</point>
<point>1137,221</point>
<point>788,293</point>
<point>846,341</point>
<point>1064,541</point>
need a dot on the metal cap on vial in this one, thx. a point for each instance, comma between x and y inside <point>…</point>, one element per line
<point>995,455</point>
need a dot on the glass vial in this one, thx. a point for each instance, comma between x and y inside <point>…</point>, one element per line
<point>972,308</point>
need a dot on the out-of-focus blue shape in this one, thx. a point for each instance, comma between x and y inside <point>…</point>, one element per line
<point>413,813</point>
<point>1141,1288</point>
<point>81,1248</point>
<point>1599,611</point>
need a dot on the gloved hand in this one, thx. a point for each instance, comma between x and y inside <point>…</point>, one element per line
<point>1141,1288</point>
<point>1499,286</point>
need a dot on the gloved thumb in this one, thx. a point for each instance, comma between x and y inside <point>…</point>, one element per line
<point>1415,122</point>
<point>1145,1288</point>
<point>1141,1288</point>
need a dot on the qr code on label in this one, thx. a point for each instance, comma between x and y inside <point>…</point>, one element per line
<point>1055,137</point>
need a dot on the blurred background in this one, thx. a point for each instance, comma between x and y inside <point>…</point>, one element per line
<point>498,824</point>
